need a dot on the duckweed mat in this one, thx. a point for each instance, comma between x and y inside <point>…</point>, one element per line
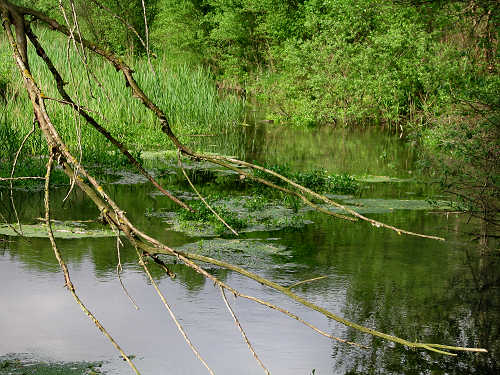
<point>25,364</point>
<point>61,229</point>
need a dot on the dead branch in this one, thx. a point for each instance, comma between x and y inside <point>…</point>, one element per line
<point>139,94</point>
<point>321,197</point>
<point>21,178</point>
<point>237,322</point>
<point>122,20</point>
<point>306,281</point>
<point>60,87</point>
<point>201,197</point>
<point>119,267</point>
<point>172,315</point>
<point>65,270</point>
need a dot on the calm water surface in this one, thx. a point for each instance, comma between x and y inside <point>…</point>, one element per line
<point>415,288</point>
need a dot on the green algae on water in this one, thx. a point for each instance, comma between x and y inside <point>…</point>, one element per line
<point>24,364</point>
<point>245,214</point>
<point>376,179</point>
<point>248,252</point>
<point>381,206</point>
<point>61,229</point>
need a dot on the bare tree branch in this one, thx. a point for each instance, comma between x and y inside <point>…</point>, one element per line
<point>64,268</point>
<point>237,322</point>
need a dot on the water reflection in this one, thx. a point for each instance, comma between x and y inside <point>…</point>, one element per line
<point>415,288</point>
<point>353,151</point>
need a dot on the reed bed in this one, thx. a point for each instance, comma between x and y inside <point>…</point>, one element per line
<point>187,94</point>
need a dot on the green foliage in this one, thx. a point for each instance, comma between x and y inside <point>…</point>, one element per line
<point>23,364</point>
<point>203,214</point>
<point>7,70</point>
<point>462,151</point>
<point>178,30</point>
<point>233,37</point>
<point>362,62</point>
<point>317,180</point>
<point>188,96</point>
<point>338,61</point>
<point>412,65</point>
<point>8,140</point>
<point>256,203</point>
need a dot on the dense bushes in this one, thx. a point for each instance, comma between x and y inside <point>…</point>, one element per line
<point>461,149</point>
<point>426,69</point>
<point>319,61</point>
<point>338,61</point>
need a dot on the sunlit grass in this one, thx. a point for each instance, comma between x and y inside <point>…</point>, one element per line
<point>186,94</point>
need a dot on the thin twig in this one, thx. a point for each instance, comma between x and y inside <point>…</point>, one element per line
<point>161,263</point>
<point>112,212</point>
<point>21,178</point>
<point>306,281</point>
<point>81,54</point>
<point>14,228</point>
<point>74,105</point>
<point>122,20</point>
<point>146,29</point>
<point>172,315</point>
<point>201,197</point>
<point>272,185</point>
<point>60,86</point>
<point>308,304</point>
<point>322,197</point>
<point>13,170</point>
<point>84,51</point>
<point>119,268</point>
<point>236,321</point>
<point>71,39</point>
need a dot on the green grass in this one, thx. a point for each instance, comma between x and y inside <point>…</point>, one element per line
<point>186,94</point>
<point>317,180</point>
<point>203,214</point>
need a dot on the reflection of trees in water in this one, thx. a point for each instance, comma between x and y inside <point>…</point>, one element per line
<point>37,255</point>
<point>482,295</point>
<point>423,291</point>
<point>464,310</point>
<point>404,286</point>
<point>353,151</point>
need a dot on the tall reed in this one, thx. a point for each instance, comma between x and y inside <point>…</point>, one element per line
<point>187,94</point>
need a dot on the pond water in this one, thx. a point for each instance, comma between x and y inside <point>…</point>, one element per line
<point>419,289</point>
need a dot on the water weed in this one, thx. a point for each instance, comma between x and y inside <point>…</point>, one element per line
<point>317,180</point>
